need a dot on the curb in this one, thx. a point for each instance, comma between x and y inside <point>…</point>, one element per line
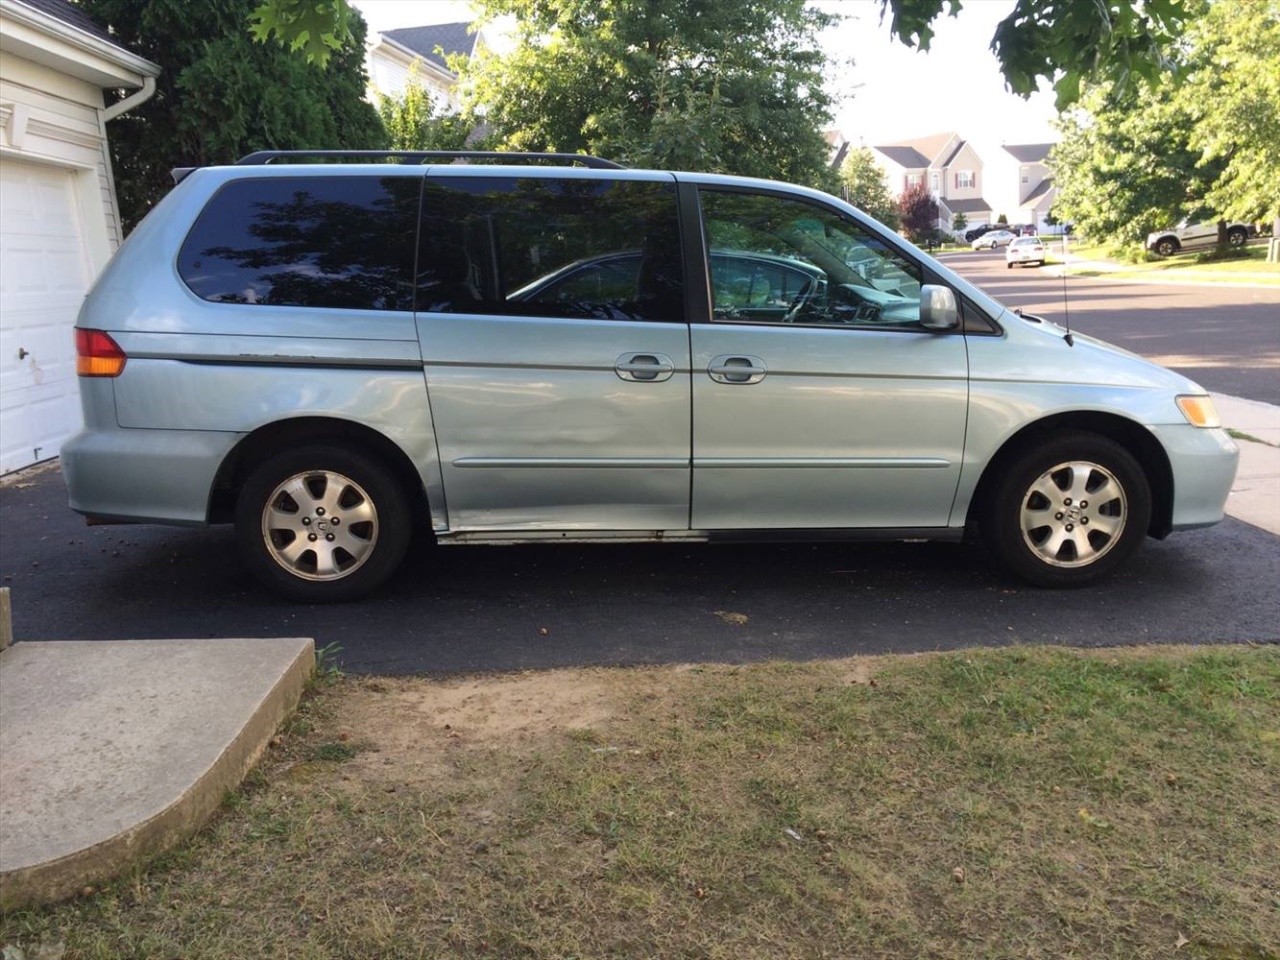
<point>61,776</point>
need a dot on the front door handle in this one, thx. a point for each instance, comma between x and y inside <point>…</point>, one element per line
<point>644,367</point>
<point>731,369</point>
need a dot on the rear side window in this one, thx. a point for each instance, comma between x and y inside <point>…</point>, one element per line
<point>591,249</point>
<point>344,242</point>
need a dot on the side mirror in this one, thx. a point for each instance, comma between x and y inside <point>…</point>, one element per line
<point>938,310</point>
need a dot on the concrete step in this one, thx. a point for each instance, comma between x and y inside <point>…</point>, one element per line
<point>113,751</point>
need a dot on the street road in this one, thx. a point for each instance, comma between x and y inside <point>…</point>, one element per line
<point>1227,339</point>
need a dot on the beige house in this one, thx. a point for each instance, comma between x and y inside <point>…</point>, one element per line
<point>59,222</point>
<point>947,165</point>
<point>391,55</point>
<point>1036,191</point>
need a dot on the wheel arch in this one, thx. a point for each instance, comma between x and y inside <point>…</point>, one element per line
<point>273,437</point>
<point>1137,439</point>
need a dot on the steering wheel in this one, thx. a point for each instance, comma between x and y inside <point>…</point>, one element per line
<point>803,296</point>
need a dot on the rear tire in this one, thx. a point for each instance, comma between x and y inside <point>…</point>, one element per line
<point>322,524</point>
<point>1236,237</point>
<point>1068,511</point>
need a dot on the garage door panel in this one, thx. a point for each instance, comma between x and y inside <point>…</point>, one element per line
<point>42,285</point>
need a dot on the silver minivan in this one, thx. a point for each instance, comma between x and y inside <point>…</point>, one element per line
<point>326,354</point>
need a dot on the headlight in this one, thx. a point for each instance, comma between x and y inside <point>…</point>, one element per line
<point>1199,411</point>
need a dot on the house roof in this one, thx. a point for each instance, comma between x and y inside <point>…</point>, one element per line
<point>1043,187</point>
<point>436,42</point>
<point>1028,152</point>
<point>71,15</point>
<point>971,205</point>
<point>954,153</point>
<point>59,35</point>
<point>905,156</point>
<point>923,151</point>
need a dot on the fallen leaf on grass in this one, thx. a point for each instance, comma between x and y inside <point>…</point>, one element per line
<point>1093,821</point>
<point>1182,942</point>
<point>737,619</point>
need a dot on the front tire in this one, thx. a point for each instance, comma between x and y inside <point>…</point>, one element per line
<point>1167,246</point>
<point>1068,511</point>
<point>1236,237</point>
<point>322,524</point>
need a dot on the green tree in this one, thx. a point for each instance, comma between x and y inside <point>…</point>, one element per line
<point>221,95</point>
<point>862,184</point>
<point>1233,101</point>
<point>959,222</point>
<point>412,121</point>
<point>724,85</point>
<point>1067,41</point>
<point>919,213</point>
<point>1126,167</point>
<point>316,28</point>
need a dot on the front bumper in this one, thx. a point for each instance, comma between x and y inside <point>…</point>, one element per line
<point>1204,468</point>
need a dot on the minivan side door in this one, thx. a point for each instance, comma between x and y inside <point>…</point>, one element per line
<point>843,412</point>
<point>550,310</point>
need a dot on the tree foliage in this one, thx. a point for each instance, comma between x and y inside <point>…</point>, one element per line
<point>317,28</point>
<point>1125,166</point>
<point>863,185</point>
<point>413,123</point>
<point>1200,150</point>
<point>221,95</point>
<point>1233,101</point>
<point>919,213</point>
<point>723,85</point>
<point>1068,42</point>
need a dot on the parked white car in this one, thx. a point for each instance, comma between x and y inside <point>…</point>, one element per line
<point>1025,250</point>
<point>996,238</point>
<point>1191,235</point>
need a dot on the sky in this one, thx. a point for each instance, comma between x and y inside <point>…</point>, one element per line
<point>890,93</point>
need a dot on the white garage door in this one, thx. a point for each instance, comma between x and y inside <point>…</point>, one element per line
<point>44,272</point>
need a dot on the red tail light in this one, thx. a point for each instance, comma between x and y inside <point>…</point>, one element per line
<point>97,355</point>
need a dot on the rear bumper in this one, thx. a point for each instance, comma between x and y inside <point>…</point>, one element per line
<point>144,476</point>
<point>1204,469</point>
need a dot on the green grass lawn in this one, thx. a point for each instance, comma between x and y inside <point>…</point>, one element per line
<point>1252,267</point>
<point>1022,802</point>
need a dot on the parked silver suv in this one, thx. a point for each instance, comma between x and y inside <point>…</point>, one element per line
<point>323,353</point>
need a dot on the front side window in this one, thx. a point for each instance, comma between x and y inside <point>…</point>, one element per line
<point>780,260</point>
<point>344,242</point>
<point>542,246</point>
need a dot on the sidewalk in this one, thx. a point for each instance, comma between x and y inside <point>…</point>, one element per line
<point>1255,496</point>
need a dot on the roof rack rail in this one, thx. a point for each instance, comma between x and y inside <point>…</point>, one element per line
<point>426,156</point>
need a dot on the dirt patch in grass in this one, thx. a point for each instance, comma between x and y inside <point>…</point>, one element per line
<point>1036,803</point>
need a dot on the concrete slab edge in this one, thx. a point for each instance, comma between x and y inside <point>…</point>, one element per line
<point>66,876</point>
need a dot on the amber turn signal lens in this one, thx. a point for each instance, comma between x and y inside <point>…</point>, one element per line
<point>97,355</point>
<point>1199,411</point>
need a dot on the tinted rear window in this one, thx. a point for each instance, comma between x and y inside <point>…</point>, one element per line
<point>343,242</point>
